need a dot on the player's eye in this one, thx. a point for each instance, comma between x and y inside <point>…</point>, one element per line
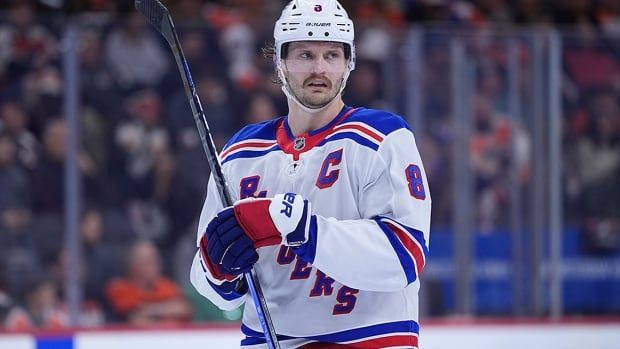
<point>332,55</point>
<point>305,55</point>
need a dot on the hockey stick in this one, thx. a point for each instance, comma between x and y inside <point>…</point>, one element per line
<point>159,16</point>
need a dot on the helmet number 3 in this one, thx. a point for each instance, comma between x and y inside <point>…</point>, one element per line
<point>318,8</point>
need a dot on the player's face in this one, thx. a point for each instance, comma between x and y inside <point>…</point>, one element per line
<point>314,71</point>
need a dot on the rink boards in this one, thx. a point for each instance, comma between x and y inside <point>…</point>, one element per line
<point>573,335</point>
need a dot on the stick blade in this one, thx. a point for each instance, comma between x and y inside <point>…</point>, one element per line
<point>158,15</point>
<point>153,10</point>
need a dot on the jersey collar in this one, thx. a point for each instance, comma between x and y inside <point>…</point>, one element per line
<point>295,145</point>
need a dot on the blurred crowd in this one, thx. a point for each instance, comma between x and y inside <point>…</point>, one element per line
<point>141,162</point>
<point>602,14</point>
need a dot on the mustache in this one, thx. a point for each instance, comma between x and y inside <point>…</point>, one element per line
<point>317,79</point>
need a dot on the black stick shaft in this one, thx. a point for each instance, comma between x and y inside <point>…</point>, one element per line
<point>159,17</point>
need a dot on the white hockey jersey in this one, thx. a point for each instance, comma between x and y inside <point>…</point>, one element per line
<point>355,281</point>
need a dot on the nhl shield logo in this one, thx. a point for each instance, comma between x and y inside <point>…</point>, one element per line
<point>300,143</point>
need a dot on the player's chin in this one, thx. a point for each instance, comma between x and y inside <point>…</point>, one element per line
<point>316,102</point>
<point>317,92</point>
<point>318,99</point>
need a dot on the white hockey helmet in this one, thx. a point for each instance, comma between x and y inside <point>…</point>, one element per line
<point>313,20</point>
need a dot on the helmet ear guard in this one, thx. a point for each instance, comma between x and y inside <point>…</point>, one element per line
<point>313,20</point>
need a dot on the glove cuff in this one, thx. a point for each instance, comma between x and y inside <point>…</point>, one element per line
<point>253,217</point>
<point>291,216</point>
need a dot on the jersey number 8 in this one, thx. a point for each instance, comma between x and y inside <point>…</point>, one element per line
<point>416,185</point>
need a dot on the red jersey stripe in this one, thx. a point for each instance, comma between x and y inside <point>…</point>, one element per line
<point>238,146</point>
<point>414,248</point>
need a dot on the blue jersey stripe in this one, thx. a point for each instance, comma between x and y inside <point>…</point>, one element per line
<point>230,296</point>
<point>247,154</point>
<point>356,334</point>
<point>406,261</point>
<point>255,337</point>
<point>363,141</point>
<point>417,234</point>
<point>369,331</point>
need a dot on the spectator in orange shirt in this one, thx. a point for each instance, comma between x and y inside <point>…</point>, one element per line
<point>145,296</point>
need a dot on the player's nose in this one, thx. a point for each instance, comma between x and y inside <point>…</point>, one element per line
<point>319,65</point>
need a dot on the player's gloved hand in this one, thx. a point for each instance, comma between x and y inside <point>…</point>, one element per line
<point>232,237</point>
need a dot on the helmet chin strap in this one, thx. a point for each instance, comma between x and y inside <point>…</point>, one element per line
<point>291,95</point>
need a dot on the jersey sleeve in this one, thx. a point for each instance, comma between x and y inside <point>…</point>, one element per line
<point>205,276</point>
<point>386,250</point>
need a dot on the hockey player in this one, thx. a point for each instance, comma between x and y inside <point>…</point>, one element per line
<point>332,210</point>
